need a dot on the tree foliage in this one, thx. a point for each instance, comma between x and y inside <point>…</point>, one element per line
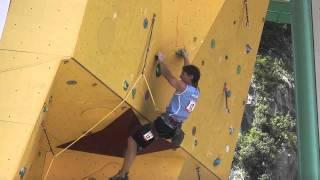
<point>271,132</point>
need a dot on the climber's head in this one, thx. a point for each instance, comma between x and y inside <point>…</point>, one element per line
<point>190,74</point>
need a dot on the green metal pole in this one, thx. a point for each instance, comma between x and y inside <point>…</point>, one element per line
<point>306,105</point>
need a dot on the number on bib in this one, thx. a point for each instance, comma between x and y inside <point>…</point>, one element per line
<point>191,106</point>
<point>148,136</point>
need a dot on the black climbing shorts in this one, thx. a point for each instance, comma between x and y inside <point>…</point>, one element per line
<point>145,135</point>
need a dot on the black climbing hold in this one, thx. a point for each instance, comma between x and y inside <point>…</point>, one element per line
<point>226,57</point>
<point>238,69</point>
<point>94,84</point>
<point>145,23</point>
<point>195,39</point>
<point>158,70</point>
<point>194,130</point>
<point>234,22</point>
<point>133,92</point>
<point>71,82</point>
<point>147,95</point>
<point>217,162</point>
<point>202,63</point>
<point>195,142</point>
<point>50,99</point>
<point>213,43</point>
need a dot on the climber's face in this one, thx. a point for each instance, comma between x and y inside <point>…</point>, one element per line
<point>185,77</point>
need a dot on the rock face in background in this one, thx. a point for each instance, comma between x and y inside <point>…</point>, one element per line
<point>271,85</point>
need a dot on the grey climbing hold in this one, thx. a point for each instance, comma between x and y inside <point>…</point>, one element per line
<point>22,172</point>
<point>125,85</point>
<point>227,148</point>
<point>179,53</point>
<point>231,130</point>
<point>133,92</point>
<point>145,23</point>
<point>248,48</point>
<point>71,82</point>
<point>228,93</point>
<point>45,108</point>
<point>213,43</point>
<point>238,69</point>
<point>217,162</point>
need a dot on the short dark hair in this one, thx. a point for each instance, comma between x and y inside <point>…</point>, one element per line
<point>194,71</point>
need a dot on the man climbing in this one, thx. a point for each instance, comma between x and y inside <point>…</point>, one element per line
<point>168,125</point>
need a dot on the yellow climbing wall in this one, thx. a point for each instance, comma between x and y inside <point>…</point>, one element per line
<point>114,36</point>
<point>218,34</point>
<point>78,100</point>
<point>193,169</point>
<point>93,47</point>
<point>23,92</point>
<point>36,37</point>
<point>164,165</point>
<point>224,58</point>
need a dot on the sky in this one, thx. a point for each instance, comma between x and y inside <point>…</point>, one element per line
<point>4,5</point>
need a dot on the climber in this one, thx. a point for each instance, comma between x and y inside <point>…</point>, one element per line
<point>168,125</point>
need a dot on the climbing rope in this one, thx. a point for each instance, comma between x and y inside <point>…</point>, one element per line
<point>198,172</point>
<point>247,13</point>
<point>148,43</point>
<point>115,108</point>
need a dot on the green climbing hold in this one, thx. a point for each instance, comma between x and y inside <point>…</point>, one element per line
<point>213,43</point>
<point>133,92</point>
<point>238,69</point>
<point>158,70</point>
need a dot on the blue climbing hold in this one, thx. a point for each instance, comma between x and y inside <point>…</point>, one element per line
<point>145,23</point>
<point>217,162</point>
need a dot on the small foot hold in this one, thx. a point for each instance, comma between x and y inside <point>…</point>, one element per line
<point>118,177</point>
